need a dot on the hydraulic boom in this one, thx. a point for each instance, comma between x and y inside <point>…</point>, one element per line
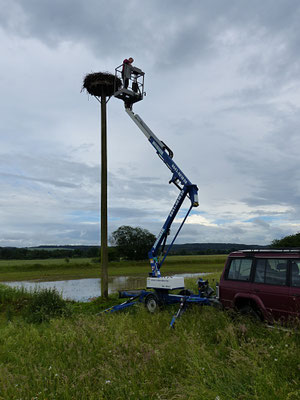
<point>187,189</point>
<point>130,93</point>
<point>159,286</point>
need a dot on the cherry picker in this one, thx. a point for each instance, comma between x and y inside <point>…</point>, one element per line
<point>160,285</point>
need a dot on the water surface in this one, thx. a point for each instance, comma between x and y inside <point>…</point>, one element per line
<point>86,289</point>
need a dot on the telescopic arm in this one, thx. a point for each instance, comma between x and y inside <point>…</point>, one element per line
<point>187,189</point>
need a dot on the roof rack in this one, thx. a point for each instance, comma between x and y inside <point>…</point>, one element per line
<point>294,250</point>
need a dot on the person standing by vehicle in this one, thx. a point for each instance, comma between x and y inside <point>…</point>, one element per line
<point>126,71</point>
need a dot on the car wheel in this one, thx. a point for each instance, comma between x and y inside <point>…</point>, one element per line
<point>251,312</point>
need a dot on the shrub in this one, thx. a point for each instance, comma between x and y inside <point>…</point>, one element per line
<point>44,305</point>
<point>287,241</point>
<point>9,295</point>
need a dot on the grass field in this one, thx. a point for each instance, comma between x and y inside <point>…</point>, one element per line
<point>134,355</point>
<point>53,349</point>
<point>58,269</point>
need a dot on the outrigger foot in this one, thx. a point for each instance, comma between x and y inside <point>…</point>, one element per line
<point>182,308</point>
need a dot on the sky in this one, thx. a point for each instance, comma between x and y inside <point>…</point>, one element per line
<point>223,92</point>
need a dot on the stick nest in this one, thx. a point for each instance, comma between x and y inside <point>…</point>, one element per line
<point>101,82</point>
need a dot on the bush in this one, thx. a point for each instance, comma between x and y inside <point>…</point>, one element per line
<point>288,241</point>
<point>17,298</point>
<point>44,305</point>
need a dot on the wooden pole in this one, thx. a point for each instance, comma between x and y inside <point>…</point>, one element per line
<point>103,216</point>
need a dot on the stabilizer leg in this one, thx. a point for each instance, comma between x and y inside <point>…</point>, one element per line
<point>182,308</point>
<point>130,302</point>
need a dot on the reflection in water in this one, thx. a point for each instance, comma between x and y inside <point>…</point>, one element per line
<point>85,289</point>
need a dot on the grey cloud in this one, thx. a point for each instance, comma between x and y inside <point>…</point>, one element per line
<point>254,99</point>
<point>273,168</point>
<point>56,233</point>
<point>266,213</point>
<point>257,201</point>
<point>50,169</point>
<point>127,185</point>
<point>270,195</point>
<point>93,21</point>
<point>260,222</point>
<point>47,168</point>
<point>276,188</point>
<point>180,31</point>
<point>128,213</point>
<point>227,234</point>
<point>47,181</point>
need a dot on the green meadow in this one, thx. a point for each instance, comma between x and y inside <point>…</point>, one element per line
<point>76,268</point>
<point>54,349</point>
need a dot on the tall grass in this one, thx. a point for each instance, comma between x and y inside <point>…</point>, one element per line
<point>9,295</point>
<point>46,304</point>
<point>34,306</point>
<point>136,356</point>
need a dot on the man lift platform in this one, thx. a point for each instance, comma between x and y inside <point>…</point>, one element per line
<point>133,84</point>
<point>160,286</point>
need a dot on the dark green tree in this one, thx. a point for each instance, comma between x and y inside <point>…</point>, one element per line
<point>132,243</point>
<point>287,241</point>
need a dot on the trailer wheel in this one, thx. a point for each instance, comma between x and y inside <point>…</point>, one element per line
<point>152,303</point>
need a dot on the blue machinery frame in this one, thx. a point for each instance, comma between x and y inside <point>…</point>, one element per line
<point>179,179</point>
<point>161,297</point>
<point>133,93</point>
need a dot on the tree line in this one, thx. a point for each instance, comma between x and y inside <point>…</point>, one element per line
<point>127,243</point>
<point>15,253</point>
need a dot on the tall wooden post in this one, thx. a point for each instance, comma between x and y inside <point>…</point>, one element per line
<point>103,216</point>
<point>103,85</point>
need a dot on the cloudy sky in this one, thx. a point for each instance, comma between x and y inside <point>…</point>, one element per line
<point>223,91</point>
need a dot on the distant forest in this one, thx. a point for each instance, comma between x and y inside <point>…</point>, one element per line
<point>44,252</point>
<point>211,248</point>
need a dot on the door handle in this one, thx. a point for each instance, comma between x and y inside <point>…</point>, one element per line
<point>295,295</point>
<point>257,290</point>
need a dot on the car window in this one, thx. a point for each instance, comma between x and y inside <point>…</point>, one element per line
<point>260,271</point>
<point>240,269</point>
<point>271,271</point>
<point>295,273</point>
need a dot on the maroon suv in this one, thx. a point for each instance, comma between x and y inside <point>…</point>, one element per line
<point>264,283</point>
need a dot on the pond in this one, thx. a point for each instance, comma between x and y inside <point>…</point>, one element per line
<point>86,289</point>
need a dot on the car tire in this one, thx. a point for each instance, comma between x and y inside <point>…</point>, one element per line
<point>252,312</point>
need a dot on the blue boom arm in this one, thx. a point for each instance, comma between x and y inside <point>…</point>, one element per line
<point>187,189</point>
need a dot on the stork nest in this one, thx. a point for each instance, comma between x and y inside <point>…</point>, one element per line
<point>101,82</point>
